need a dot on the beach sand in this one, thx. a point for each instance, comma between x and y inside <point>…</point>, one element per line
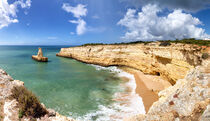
<point>147,86</point>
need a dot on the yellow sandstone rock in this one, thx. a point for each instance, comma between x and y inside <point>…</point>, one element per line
<point>171,62</point>
<point>39,56</point>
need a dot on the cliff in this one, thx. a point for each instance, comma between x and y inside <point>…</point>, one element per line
<point>184,66</point>
<point>170,62</point>
<point>187,100</point>
<point>9,108</point>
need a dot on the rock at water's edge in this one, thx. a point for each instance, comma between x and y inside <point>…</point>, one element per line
<point>39,57</point>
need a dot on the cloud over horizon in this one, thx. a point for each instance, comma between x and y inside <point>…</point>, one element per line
<point>186,5</point>
<point>78,11</point>
<point>8,12</point>
<point>147,25</point>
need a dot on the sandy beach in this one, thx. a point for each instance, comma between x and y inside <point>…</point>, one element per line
<point>147,86</point>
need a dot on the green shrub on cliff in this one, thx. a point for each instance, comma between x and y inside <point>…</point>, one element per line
<point>92,44</point>
<point>122,43</point>
<point>205,55</point>
<point>28,103</point>
<point>165,42</point>
<point>190,41</point>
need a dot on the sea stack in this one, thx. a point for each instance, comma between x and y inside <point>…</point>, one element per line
<point>39,57</point>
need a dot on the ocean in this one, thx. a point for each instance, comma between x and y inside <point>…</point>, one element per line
<point>74,89</point>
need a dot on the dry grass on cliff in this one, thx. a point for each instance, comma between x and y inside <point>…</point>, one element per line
<point>28,103</point>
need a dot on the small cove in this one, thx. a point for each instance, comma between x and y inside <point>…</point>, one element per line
<point>72,88</point>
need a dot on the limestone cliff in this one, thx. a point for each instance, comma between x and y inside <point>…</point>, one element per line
<point>187,100</point>
<point>171,62</point>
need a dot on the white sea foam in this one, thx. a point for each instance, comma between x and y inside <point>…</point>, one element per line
<point>129,103</point>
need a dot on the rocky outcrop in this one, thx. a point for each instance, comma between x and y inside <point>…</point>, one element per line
<point>9,107</point>
<point>39,56</point>
<point>187,100</point>
<point>171,62</point>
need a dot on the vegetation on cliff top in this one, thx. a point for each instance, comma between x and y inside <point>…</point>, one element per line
<point>165,42</point>
<point>190,41</point>
<point>122,43</point>
<point>28,103</point>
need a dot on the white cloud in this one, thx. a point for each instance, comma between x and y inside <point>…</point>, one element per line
<point>8,11</point>
<point>78,11</point>
<point>186,5</point>
<point>81,27</point>
<point>147,25</point>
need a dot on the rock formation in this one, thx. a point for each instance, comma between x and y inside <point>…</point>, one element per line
<point>39,56</point>
<point>171,62</point>
<point>187,100</point>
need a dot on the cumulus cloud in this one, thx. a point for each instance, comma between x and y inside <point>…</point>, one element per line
<point>8,12</point>
<point>147,25</point>
<point>187,5</point>
<point>78,12</point>
<point>81,27</point>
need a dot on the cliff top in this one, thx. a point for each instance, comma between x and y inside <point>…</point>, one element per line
<point>160,42</point>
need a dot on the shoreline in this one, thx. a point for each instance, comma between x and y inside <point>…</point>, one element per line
<point>126,103</point>
<point>146,86</point>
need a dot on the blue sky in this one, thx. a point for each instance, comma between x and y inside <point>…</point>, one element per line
<point>47,22</point>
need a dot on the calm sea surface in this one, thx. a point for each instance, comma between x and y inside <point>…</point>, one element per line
<point>70,87</point>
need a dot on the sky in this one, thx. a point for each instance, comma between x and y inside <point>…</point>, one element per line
<point>75,22</point>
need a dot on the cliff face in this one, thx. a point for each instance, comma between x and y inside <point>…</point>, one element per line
<point>187,100</point>
<point>171,62</point>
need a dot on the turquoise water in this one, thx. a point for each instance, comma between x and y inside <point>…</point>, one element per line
<point>70,87</point>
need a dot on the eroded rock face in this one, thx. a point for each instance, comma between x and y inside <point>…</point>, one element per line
<point>171,62</point>
<point>39,56</point>
<point>187,100</point>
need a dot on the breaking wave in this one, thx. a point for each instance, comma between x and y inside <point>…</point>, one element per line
<point>126,103</point>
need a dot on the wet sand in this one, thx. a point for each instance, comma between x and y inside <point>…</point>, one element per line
<point>147,86</point>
